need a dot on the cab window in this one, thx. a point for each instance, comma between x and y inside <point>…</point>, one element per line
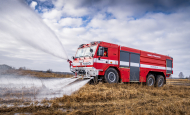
<point>105,52</point>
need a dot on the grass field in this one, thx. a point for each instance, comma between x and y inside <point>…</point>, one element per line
<point>182,82</point>
<point>103,99</point>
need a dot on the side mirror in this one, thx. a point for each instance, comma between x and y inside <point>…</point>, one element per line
<point>91,50</point>
<point>73,57</point>
<point>100,51</point>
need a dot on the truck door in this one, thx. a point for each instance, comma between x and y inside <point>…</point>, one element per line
<point>134,66</point>
<point>113,56</point>
<point>103,61</point>
<point>124,66</point>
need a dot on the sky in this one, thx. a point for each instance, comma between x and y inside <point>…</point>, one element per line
<point>160,26</point>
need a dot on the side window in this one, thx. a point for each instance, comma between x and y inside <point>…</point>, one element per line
<point>106,52</point>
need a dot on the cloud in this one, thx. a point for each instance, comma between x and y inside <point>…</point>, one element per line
<point>33,4</point>
<point>53,14</point>
<point>136,7</point>
<point>72,22</point>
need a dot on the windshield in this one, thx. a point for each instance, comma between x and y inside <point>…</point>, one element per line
<point>85,51</point>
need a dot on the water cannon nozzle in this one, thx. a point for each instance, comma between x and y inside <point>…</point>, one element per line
<point>70,62</point>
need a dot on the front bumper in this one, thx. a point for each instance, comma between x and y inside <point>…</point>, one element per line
<point>85,72</point>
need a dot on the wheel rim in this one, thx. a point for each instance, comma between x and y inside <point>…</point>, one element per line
<point>111,77</point>
<point>150,81</point>
<point>160,82</point>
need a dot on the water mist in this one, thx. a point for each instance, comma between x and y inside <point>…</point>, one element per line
<point>18,20</point>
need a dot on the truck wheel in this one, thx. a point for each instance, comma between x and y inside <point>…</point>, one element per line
<point>111,76</point>
<point>150,81</point>
<point>94,81</point>
<point>159,81</point>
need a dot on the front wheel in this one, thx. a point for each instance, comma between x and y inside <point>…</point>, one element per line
<point>159,81</point>
<point>111,76</point>
<point>150,81</point>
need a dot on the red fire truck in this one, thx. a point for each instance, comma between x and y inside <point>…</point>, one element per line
<point>113,63</point>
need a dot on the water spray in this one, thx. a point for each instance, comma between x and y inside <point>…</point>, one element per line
<point>21,23</point>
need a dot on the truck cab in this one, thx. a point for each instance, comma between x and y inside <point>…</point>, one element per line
<point>93,59</point>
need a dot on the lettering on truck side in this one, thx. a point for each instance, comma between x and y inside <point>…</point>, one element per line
<point>153,55</point>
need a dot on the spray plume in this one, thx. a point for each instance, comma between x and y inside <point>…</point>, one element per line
<point>21,22</point>
<point>37,88</point>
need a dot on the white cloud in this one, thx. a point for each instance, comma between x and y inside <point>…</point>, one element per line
<point>52,14</point>
<point>33,4</point>
<point>71,10</point>
<point>66,8</point>
<point>72,22</point>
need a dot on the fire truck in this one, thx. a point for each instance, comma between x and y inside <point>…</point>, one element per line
<point>112,63</point>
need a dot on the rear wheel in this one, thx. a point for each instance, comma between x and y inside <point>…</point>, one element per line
<point>111,76</point>
<point>159,81</point>
<point>150,81</point>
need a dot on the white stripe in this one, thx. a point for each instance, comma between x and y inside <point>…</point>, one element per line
<point>96,60</point>
<point>100,61</point>
<point>124,63</point>
<point>76,64</point>
<point>134,64</point>
<point>169,68</point>
<point>83,67</point>
<point>153,67</point>
<point>113,62</point>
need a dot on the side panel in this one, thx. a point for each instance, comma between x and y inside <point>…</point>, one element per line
<point>151,62</point>
<point>134,66</point>
<point>125,73</point>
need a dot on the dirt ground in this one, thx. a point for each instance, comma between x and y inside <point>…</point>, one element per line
<point>110,99</point>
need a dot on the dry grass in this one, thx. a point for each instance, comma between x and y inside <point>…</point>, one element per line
<point>182,82</point>
<point>114,99</point>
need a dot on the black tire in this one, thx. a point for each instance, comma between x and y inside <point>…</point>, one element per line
<point>111,76</point>
<point>150,80</point>
<point>159,81</point>
<point>94,81</point>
